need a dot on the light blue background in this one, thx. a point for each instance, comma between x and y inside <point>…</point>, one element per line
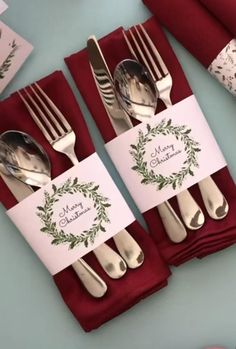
<point>199,306</point>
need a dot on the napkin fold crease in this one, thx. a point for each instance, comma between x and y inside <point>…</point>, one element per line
<point>224,11</point>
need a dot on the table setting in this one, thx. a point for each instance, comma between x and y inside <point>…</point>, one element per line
<point>113,173</point>
<point>204,239</point>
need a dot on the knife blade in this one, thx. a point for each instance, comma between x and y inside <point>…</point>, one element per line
<point>119,118</point>
<point>18,189</point>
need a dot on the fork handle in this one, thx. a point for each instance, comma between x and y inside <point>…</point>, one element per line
<point>165,97</point>
<point>90,279</point>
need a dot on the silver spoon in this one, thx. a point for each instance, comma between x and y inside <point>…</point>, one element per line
<point>27,161</point>
<point>138,96</point>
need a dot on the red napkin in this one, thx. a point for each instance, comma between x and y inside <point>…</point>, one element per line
<point>213,234</point>
<point>136,284</point>
<point>191,24</point>
<point>224,11</point>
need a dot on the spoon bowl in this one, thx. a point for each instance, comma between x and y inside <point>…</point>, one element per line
<point>5,152</point>
<point>135,89</point>
<point>24,158</point>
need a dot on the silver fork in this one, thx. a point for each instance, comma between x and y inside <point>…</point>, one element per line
<point>214,201</point>
<point>190,211</point>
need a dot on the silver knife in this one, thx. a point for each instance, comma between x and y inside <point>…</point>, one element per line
<point>91,281</point>
<point>119,118</point>
<point>121,122</point>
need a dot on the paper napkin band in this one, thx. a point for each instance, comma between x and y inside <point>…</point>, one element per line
<point>166,155</point>
<point>72,215</point>
<point>223,67</point>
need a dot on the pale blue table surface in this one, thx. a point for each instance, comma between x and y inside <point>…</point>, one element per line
<point>198,307</point>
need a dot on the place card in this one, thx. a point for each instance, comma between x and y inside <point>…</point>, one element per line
<point>3,6</point>
<point>13,52</point>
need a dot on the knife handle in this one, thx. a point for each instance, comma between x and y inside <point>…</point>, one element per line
<point>173,225</point>
<point>89,278</point>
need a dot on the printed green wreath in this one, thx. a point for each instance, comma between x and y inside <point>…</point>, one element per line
<point>8,61</point>
<point>165,128</point>
<point>71,187</point>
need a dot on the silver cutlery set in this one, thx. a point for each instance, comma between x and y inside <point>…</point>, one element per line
<point>123,100</point>
<point>34,170</point>
<point>127,96</point>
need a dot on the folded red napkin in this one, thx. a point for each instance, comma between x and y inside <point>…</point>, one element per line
<point>136,284</point>
<point>213,234</point>
<point>224,11</point>
<point>193,25</point>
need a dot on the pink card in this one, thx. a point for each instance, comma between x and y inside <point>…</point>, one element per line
<point>3,6</point>
<point>13,52</point>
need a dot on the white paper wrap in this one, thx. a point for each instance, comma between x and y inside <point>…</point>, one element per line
<point>223,68</point>
<point>167,155</point>
<point>72,215</point>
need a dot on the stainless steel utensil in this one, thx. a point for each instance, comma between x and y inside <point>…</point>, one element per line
<point>143,49</point>
<point>60,135</point>
<point>135,90</point>
<point>173,225</point>
<point>89,278</point>
<point>104,82</point>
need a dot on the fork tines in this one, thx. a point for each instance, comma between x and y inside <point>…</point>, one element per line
<point>143,49</point>
<point>44,112</point>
